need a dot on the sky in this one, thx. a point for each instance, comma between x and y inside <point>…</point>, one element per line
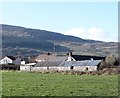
<point>87,20</point>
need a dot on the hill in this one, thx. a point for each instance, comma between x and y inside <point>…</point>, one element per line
<point>20,40</point>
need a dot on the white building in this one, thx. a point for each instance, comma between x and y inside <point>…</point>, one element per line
<point>12,60</point>
<point>22,62</point>
<point>7,60</point>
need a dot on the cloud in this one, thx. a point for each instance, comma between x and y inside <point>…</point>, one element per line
<point>92,33</point>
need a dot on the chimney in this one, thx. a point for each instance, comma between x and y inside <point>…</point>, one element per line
<point>70,53</point>
<point>91,59</point>
<point>29,59</point>
<point>48,53</point>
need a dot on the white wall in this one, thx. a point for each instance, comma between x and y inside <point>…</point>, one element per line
<point>70,59</point>
<point>22,62</point>
<point>61,68</point>
<point>24,68</point>
<point>6,60</point>
<point>39,69</point>
<point>56,68</point>
<point>83,68</point>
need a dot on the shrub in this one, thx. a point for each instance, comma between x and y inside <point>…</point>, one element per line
<point>10,67</point>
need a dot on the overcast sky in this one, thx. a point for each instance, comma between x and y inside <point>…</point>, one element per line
<point>93,20</point>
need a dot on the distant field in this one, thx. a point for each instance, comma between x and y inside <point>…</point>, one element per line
<point>36,84</point>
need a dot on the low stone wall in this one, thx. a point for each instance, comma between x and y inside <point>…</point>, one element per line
<point>58,68</point>
<point>38,69</point>
<point>24,68</point>
<point>41,69</point>
<point>85,68</point>
<point>9,67</point>
<point>78,70</point>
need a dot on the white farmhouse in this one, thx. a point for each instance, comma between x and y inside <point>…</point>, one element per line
<point>7,60</point>
<point>12,60</point>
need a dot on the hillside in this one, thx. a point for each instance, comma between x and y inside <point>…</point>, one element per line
<point>21,40</point>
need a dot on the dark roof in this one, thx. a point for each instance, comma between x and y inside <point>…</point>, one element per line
<point>11,57</point>
<point>44,57</point>
<point>22,59</point>
<point>68,63</point>
<point>51,58</point>
<point>58,58</point>
<point>87,57</point>
<point>83,63</point>
<point>48,63</point>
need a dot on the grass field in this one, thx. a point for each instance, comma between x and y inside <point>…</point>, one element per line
<point>36,84</point>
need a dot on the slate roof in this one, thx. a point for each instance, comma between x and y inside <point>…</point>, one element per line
<point>51,58</point>
<point>68,63</point>
<point>83,63</point>
<point>48,63</point>
<point>58,58</point>
<point>87,57</point>
<point>11,57</point>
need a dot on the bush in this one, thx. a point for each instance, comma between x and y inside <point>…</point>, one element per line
<point>10,67</point>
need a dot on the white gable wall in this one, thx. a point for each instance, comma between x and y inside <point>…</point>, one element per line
<point>6,60</point>
<point>25,68</point>
<point>70,59</point>
<point>22,62</point>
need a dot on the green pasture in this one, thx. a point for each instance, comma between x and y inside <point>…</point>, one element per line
<point>55,84</point>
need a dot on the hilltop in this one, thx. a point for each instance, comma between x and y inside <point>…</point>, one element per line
<point>20,40</point>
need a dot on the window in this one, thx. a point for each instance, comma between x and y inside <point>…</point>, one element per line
<point>86,69</point>
<point>71,67</point>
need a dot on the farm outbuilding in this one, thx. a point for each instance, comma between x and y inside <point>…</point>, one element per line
<point>27,67</point>
<point>52,66</point>
<point>85,57</point>
<point>53,57</point>
<point>52,62</point>
<point>87,65</point>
